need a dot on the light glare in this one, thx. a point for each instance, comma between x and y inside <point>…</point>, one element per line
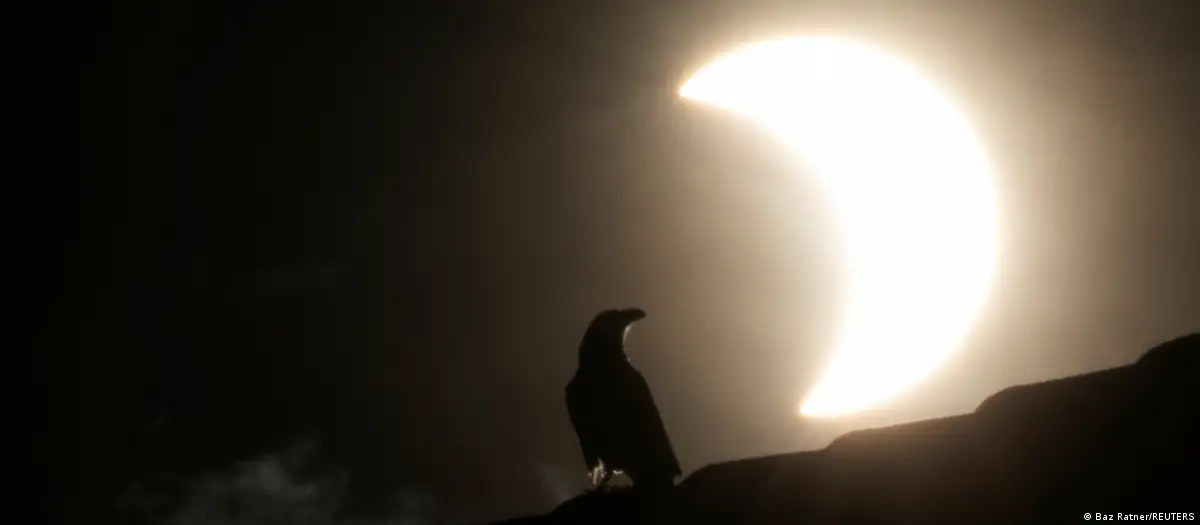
<point>910,184</point>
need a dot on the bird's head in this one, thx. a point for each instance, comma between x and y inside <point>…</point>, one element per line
<point>604,340</point>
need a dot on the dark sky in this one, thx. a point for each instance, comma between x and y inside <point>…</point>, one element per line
<point>387,226</point>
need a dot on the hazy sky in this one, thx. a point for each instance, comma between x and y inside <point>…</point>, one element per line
<point>388,227</point>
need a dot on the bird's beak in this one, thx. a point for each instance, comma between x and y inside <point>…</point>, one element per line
<point>632,315</point>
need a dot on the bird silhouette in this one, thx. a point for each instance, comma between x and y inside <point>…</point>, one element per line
<point>613,410</point>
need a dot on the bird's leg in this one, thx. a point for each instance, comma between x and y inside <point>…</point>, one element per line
<point>600,475</point>
<point>605,476</point>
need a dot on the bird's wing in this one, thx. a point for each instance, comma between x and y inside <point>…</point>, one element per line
<point>643,413</point>
<point>583,419</point>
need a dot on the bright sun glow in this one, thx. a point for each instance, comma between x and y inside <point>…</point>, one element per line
<point>910,183</point>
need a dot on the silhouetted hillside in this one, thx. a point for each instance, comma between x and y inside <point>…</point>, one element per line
<point>1124,440</point>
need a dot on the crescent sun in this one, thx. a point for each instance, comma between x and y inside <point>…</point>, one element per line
<point>911,186</point>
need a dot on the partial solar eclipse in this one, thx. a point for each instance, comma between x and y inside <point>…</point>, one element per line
<point>912,189</point>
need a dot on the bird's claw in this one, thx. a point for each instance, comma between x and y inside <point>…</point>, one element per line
<point>600,475</point>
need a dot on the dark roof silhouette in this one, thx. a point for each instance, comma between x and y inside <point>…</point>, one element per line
<point>1123,440</point>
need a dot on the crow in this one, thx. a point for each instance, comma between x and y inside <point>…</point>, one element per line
<point>613,411</point>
